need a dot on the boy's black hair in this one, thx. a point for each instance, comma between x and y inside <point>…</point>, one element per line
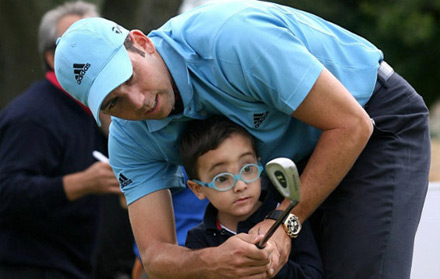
<point>202,136</point>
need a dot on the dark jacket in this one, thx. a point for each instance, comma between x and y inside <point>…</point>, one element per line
<point>44,135</point>
<point>304,261</point>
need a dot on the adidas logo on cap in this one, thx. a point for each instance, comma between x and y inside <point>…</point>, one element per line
<point>80,70</point>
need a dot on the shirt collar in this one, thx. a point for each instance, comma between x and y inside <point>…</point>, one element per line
<point>50,76</point>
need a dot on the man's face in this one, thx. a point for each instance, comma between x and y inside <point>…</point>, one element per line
<point>147,94</point>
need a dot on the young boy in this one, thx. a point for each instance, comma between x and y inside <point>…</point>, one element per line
<point>220,159</point>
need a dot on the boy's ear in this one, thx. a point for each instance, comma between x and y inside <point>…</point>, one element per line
<point>197,189</point>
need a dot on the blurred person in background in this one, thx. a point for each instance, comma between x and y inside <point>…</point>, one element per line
<point>187,5</point>
<point>49,180</point>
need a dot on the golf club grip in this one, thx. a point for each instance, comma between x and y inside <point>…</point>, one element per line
<point>275,225</point>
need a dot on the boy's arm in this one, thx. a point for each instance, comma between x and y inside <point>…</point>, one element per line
<point>152,222</point>
<point>196,239</point>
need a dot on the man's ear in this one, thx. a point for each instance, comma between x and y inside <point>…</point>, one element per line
<point>197,189</point>
<point>50,57</point>
<point>141,41</point>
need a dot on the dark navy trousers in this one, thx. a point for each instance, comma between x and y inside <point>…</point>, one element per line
<point>29,272</point>
<point>366,228</point>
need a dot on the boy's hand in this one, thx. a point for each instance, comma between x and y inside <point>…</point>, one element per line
<point>280,241</point>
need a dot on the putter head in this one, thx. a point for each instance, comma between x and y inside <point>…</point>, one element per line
<point>284,176</point>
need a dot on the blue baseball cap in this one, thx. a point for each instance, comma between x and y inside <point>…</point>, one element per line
<point>91,61</point>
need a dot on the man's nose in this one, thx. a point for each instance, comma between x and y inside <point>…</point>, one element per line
<point>136,100</point>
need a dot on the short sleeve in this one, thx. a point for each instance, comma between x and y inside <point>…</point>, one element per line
<point>267,61</point>
<point>140,169</point>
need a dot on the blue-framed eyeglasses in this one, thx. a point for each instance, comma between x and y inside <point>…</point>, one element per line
<point>225,180</point>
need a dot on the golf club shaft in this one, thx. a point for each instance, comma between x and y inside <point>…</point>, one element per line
<point>275,225</point>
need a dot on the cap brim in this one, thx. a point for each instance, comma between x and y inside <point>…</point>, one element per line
<point>118,70</point>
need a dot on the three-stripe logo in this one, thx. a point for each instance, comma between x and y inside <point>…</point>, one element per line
<point>124,181</point>
<point>80,70</point>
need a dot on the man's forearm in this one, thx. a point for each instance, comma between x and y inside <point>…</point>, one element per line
<point>237,258</point>
<point>151,218</point>
<point>346,129</point>
<point>334,155</point>
<point>177,262</point>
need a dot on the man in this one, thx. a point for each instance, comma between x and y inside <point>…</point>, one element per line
<point>303,87</point>
<point>49,180</point>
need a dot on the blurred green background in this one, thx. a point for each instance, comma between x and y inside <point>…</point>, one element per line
<point>407,31</point>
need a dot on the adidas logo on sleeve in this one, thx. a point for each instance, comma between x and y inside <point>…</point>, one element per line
<point>124,181</point>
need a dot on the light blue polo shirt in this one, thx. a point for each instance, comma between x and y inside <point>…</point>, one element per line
<point>254,62</point>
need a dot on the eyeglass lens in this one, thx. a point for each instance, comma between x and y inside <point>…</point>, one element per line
<point>248,173</point>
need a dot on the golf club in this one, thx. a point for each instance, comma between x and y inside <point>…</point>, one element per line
<point>284,176</point>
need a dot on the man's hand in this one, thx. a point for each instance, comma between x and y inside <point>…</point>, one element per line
<point>97,179</point>
<point>239,257</point>
<point>280,242</point>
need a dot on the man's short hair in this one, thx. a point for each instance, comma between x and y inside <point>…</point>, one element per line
<point>48,33</point>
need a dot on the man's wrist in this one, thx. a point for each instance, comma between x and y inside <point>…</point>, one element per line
<point>291,224</point>
<point>207,258</point>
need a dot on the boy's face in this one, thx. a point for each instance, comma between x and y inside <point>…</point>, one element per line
<point>240,201</point>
